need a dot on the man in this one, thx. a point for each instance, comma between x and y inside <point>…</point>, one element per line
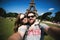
<point>35,32</point>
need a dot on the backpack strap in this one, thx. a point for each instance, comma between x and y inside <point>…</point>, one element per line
<point>42,33</point>
<point>25,33</point>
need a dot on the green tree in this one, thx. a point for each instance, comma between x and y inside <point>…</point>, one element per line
<point>46,16</point>
<point>15,14</point>
<point>10,14</point>
<point>57,16</point>
<point>2,12</point>
<point>39,17</point>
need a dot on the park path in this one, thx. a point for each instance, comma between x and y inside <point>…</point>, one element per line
<point>51,23</point>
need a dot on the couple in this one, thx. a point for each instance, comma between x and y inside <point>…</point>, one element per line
<point>28,28</point>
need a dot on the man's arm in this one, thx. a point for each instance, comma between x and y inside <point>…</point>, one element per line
<point>54,32</point>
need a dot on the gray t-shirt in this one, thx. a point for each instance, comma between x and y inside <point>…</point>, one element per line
<point>34,33</point>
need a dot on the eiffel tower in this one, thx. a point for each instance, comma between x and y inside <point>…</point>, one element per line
<point>32,7</point>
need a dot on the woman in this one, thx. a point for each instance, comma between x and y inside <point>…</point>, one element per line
<point>20,22</point>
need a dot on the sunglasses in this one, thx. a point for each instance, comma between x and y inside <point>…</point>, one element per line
<point>31,16</point>
<point>23,17</point>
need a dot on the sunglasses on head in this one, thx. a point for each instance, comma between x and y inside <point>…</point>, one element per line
<point>31,16</point>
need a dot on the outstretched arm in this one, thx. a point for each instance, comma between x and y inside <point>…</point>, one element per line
<point>54,32</point>
<point>15,36</point>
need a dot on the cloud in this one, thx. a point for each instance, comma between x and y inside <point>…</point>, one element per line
<point>51,9</point>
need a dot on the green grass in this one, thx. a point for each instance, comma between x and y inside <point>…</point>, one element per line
<point>51,25</point>
<point>48,38</point>
<point>6,29</point>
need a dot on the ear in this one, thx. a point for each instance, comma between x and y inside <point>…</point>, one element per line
<point>34,17</point>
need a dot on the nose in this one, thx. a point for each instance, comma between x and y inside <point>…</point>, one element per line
<point>30,17</point>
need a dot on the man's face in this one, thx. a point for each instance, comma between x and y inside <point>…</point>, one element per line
<point>31,18</point>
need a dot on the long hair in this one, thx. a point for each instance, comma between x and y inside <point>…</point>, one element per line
<point>17,23</point>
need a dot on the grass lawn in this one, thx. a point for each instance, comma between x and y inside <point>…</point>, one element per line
<point>6,29</point>
<point>51,25</point>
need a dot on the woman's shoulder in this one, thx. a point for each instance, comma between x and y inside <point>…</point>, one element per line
<point>23,26</point>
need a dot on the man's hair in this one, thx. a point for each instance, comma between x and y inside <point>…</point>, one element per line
<point>31,12</point>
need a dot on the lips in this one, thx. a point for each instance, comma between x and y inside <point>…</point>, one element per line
<point>31,19</point>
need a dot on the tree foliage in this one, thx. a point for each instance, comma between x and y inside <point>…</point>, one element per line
<point>2,12</point>
<point>46,16</point>
<point>10,14</point>
<point>57,16</point>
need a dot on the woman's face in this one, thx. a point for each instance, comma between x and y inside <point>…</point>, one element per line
<point>24,19</point>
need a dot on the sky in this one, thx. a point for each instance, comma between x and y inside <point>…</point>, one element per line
<point>20,6</point>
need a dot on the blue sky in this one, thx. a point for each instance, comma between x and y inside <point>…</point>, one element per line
<point>20,6</point>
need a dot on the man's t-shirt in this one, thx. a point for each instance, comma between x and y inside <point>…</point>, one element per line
<point>34,32</point>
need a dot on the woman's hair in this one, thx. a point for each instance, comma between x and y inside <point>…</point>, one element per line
<point>17,23</point>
